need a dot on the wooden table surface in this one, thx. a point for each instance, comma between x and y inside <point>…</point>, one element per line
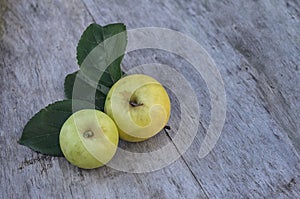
<point>256,47</point>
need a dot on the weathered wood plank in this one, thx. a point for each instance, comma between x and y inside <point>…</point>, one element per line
<point>256,47</point>
<point>37,50</point>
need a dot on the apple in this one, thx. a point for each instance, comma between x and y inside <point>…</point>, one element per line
<point>139,105</point>
<point>89,139</point>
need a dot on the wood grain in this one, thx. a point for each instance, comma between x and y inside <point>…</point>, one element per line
<point>38,50</point>
<point>255,45</point>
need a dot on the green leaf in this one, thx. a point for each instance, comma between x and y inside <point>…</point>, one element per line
<point>99,54</point>
<point>41,133</point>
<point>84,90</point>
<point>100,51</point>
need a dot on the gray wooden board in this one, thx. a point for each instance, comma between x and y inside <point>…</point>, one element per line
<point>255,45</point>
<point>38,50</point>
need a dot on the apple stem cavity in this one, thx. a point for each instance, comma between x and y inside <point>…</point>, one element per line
<point>88,134</point>
<point>135,104</point>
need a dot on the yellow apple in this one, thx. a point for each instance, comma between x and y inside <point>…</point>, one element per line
<point>89,139</point>
<point>139,105</point>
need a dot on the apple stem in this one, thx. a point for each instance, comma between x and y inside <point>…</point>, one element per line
<point>167,127</point>
<point>88,134</point>
<point>135,104</point>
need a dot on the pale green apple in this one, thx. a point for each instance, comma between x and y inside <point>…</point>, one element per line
<point>139,105</point>
<point>89,139</point>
